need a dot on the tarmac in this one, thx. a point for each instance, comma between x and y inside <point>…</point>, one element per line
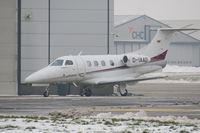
<point>156,99</point>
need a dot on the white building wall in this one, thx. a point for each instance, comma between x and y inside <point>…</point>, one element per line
<point>8,47</point>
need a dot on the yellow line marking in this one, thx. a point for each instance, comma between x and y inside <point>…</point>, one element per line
<point>149,110</point>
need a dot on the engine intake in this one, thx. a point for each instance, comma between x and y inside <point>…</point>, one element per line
<point>135,60</point>
<point>125,59</point>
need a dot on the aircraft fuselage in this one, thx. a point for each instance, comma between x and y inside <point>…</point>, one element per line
<point>81,69</point>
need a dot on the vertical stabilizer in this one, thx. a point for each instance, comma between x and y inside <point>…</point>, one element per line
<point>158,47</point>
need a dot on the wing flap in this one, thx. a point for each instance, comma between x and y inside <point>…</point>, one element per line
<point>111,80</point>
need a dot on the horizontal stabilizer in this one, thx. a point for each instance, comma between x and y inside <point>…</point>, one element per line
<point>177,29</point>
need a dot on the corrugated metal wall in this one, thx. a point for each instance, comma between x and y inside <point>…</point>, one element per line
<point>8,50</point>
<point>34,36</point>
<point>78,25</point>
<point>75,26</point>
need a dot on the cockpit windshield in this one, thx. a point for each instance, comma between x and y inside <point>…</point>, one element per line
<point>57,63</point>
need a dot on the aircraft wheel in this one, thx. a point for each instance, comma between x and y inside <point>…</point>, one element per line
<point>122,90</point>
<point>88,92</point>
<point>46,93</point>
<point>125,93</point>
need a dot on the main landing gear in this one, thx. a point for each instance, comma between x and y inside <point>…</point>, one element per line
<point>85,91</point>
<point>46,92</point>
<point>121,88</point>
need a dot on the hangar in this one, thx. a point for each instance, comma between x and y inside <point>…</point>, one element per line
<point>133,32</point>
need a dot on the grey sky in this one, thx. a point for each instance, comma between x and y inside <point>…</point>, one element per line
<point>159,9</point>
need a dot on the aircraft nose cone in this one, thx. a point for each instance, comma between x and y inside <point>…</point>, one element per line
<point>41,76</point>
<point>36,77</point>
<point>31,79</point>
<point>27,80</point>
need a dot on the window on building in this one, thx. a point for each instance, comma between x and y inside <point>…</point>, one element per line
<point>112,63</point>
<point>57,63</point>
<point>68,62</point>
<point>89,64</point>
<point>96,63</point>
<point>103,63</point>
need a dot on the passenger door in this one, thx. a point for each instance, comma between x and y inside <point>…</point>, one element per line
<point>80,67</point>
<point>69,69</point>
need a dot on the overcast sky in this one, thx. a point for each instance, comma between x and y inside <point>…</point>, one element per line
<point>159,9</point>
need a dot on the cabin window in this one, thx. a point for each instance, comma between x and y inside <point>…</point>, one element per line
<point>112,63</point>
<point>134,59</point>
<point>89,64</point>
<point>103,63</point>
<point>96,63</point>
<point>57,63</point>
<point>68,62</point>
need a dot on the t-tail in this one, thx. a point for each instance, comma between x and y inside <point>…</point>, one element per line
<point>158,47</point>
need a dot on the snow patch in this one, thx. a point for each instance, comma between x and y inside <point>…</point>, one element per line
<point>103,122</point>
<point>181,69</point>
<point>177,74</point>
<point>141,113</point>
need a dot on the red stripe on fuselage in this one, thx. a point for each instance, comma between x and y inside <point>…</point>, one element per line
<point>159,57</point>
<point>153,59</point>
<point>108,69</point>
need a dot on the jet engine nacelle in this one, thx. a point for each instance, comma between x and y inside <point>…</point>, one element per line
<point>135,60</point>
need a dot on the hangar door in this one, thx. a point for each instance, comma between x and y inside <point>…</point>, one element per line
<point>53,28</point>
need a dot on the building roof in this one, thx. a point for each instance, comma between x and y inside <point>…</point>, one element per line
<point>185,24</point>
<point>120,19</point>
<point>124,19</point>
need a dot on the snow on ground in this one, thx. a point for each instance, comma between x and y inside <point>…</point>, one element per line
<point>181,69</point>
<point>104,122</point>
<point>177,74</point>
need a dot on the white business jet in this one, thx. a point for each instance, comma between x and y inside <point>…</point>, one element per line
<point>85,71</point>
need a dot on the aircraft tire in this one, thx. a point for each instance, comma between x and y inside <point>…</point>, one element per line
<point>125,93</point>
<point>46,94</point>
<point>122,87</point>
<point>88,92</point>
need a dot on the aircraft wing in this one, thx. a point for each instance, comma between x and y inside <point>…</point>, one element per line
<point>125,78</point>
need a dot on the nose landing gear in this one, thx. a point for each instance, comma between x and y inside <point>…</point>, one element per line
<point>88,92</point>
<point>85,91</point>
<point>46,92</point>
